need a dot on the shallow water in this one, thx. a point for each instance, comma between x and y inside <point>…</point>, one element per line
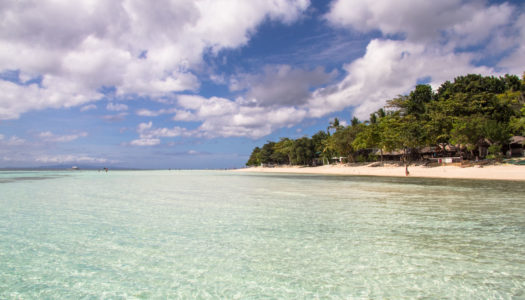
<point>215,234</point>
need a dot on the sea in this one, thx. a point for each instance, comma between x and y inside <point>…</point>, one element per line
<point>236,235</point>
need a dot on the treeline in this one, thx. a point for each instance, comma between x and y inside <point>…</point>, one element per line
<point>467,113</point>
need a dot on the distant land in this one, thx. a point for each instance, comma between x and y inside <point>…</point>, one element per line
<point>69,167</point>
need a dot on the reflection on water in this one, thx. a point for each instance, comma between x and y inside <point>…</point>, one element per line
<point>196,234</point>
<point>14,176</point>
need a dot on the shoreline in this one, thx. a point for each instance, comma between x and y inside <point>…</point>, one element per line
<point>492,172</point>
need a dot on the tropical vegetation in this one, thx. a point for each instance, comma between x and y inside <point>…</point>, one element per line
<point>467,113</point>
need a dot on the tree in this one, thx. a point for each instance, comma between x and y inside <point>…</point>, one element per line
<point>367,138</point>
<point>266,152</point>
<point>496,132</point>
<point>418,99</point>
<point>334,125</point>
<point>303,151</point>
<point>517,123</point>
<point>468,131</point>
<point>254,159</point>
<point>284,148</point>
<point>318,140</point>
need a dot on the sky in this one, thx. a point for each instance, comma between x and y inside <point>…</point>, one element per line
<point>197,84</point>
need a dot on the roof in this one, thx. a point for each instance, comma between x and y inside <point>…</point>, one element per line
<point>396,152</point>
<point>517,140</point>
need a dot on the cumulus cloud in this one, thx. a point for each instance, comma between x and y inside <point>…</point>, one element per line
<point>155,113</point>
<point>115,118</point>
<point>222,117</point>
<point>141,48</point>
<point>70,158</point>
<point>150,136</point>
<point>389,68</point>
<point>145,142</point>
<point>88,107</point>
<point>55,92</point>
<point>48,136</point>
<point>281,85</point>
<point>514,63</point>
<point>12,141</point>
<point>116,107</point>
<point>465,21</point>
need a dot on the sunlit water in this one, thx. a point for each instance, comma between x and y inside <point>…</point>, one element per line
<point>204,234</point>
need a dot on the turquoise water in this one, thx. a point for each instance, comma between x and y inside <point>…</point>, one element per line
<point>218,234</point>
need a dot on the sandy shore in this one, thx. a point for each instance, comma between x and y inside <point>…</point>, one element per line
<point>496,172</point>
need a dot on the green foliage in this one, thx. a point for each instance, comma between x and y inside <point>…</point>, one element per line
<point>496,132</point>
<point>283,151</point>
<point>517,123</point>
<point>254,159</point>
<point>495,152</point>
<point>303,151</point>
<point>266,153</point>
<point>467,131</point>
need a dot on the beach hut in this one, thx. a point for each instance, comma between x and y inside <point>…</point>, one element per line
<point>428,152</point>
<point>391,155</point>
<point>516,146</point>
<point>339,159</point>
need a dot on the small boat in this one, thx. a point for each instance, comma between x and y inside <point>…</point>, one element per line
<point>74,167</point>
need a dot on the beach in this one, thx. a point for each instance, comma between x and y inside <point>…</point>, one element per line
<point>490,172</point>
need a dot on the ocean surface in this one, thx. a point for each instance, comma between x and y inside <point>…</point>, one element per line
<point>220,234</point>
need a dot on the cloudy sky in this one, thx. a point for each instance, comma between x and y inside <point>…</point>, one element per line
<point>199,83</point>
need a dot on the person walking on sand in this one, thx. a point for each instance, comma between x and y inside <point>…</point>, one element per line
<point>406,170</point>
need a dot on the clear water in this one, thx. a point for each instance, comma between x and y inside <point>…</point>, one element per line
<point>204,234</point>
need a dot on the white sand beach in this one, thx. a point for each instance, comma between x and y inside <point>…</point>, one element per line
<point>491,172</point>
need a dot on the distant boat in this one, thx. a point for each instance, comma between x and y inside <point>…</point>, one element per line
<point>74,167</point>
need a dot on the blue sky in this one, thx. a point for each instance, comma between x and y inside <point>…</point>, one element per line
<point>198,84</point>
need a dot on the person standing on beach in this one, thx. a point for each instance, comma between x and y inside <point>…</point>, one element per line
<point>406,170</point>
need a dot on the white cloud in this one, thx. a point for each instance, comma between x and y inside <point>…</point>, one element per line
<point>465,22</point>
<point>69,158</point>
<point>56,92</point>
<point>88,107</point>
<point>389,68</point>
<point>221,117</point>
<point>281,85</point>
<point>514,63</point>
<point>150,136</point>
<point>145,48</point>
<point>152,113</point>
<point>147,131</point>
<point>145,142</point>
<point>12,141</point>
<point>48,136</point>
<point>116,107</point>
<point>115,118</point>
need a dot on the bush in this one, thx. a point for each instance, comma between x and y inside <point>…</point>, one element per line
<point>361,158</point>
<point>495,152</point>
